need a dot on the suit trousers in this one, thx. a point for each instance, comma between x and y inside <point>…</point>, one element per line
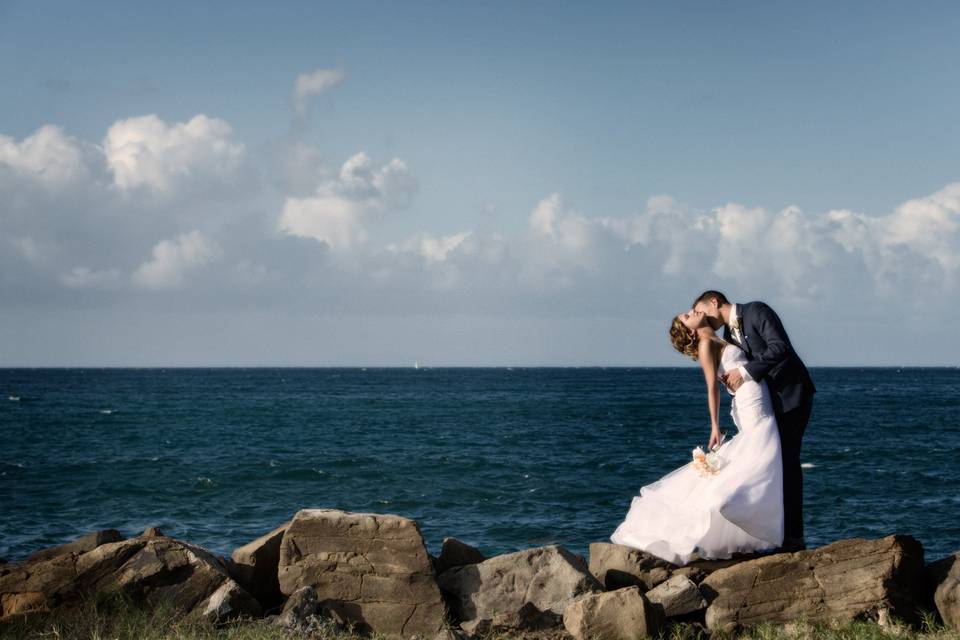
<point>791,426</point>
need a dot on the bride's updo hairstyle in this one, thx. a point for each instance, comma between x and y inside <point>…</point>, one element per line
<point>683,340</point>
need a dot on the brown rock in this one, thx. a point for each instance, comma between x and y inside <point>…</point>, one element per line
<point>254,566</point>
<point>80,545</point>
<point>548,577</point>
<point>842,581</point>
<point>369,569</point>
<point>527,618</point>
<point>945,577</point>
<point>618,566</point>
<point>623,614</point>
<point>152,532</point>
<point>12,604</point>
<point>147,570</point>
<point>677,596</point>
<point>54,578</point>
<point>455,553</point>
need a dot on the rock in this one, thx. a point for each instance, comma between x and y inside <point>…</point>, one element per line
<point>842,581</point>
<point>548,577</point>
<point>152,532</point>
<point>455,553</point>
<point>617,566</point>
<point>621,614</point>
<point>527,618</point>
<point>677,596</point>
<point>37,586</point>
<point>370,569</point>
<point>80,545</point>
<point>229,602</point>
<point>149,571</point>
<point>301,604</point>
<point>945,579</point>
<point>12,604</point>
<point>254,566</point>
<point>696,574</point>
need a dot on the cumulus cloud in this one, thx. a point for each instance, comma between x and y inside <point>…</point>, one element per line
<point>147,153</point>
<point>312,84</point>
<point>48,157</point>
<point>171,260</point>
<point>337,212</point>
<point>79,217</point>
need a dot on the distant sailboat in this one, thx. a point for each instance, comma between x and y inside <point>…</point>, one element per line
<point>416,364</point>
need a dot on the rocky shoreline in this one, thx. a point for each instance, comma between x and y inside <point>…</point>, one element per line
<point>372,573</point>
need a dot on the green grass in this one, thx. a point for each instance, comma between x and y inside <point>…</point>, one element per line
<point>117,619</point>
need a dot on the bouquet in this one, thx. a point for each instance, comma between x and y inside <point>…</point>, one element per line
<point>707,464</point>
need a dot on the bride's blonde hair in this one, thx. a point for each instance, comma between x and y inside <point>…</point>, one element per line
<point>687,342</point>
<point>684,340</point>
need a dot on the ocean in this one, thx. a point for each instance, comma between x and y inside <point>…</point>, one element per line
<point>501,458</point>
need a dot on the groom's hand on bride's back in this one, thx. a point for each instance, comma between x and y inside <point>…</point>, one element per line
<point>732,380</point>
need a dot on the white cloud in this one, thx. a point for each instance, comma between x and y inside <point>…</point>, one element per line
<point>430,247</point>
<point>49,157</point>
<point>146,152</point>
<point>337,213</point>
<point>309,85</point>
<point>172,259</point>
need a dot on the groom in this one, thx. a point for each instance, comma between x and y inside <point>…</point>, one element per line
<point>755,328</point>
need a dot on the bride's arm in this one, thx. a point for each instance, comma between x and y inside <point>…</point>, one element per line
<point>709,365</point>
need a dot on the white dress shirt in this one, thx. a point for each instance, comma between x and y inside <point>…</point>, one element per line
<point>738,336</point>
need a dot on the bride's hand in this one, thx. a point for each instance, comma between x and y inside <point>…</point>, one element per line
<point>714,439</point>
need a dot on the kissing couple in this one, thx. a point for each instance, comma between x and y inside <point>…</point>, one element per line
<point>745,494</point>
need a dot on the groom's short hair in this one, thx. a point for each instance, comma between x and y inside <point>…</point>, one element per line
<point>707,295</point>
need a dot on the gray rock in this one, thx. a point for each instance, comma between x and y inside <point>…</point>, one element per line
<point>371,570</point>
<point>80,545</point>
<point>617,566</point>
<point>842,581</point>
<point>623,614</point>
<point>945,578</point>
<point>255,566</point>
<point>301,604</point>
<point>548,577</point>
<point>677,596</point>
<point>455,553</point>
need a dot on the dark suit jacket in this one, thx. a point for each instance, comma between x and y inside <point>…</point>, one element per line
<point>771,356</point>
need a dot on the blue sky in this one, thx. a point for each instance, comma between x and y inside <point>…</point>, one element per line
<point>668,147</point>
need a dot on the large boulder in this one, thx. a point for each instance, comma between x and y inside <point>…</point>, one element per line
<point>149,571</point>
<point>548,577</point>
<point>945,577</point>
<point>623,614</point>
<point>369,569</point>
<point>845,580</point>
<point>617,566</point>
<point>83,544</point>
<point>254,566</point>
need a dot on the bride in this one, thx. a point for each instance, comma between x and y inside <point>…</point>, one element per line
<point>737,509</point>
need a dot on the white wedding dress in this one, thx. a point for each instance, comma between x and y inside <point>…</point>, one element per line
<point>738,510</point>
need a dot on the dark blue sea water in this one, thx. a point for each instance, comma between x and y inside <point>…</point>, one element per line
<point>502,458</point>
